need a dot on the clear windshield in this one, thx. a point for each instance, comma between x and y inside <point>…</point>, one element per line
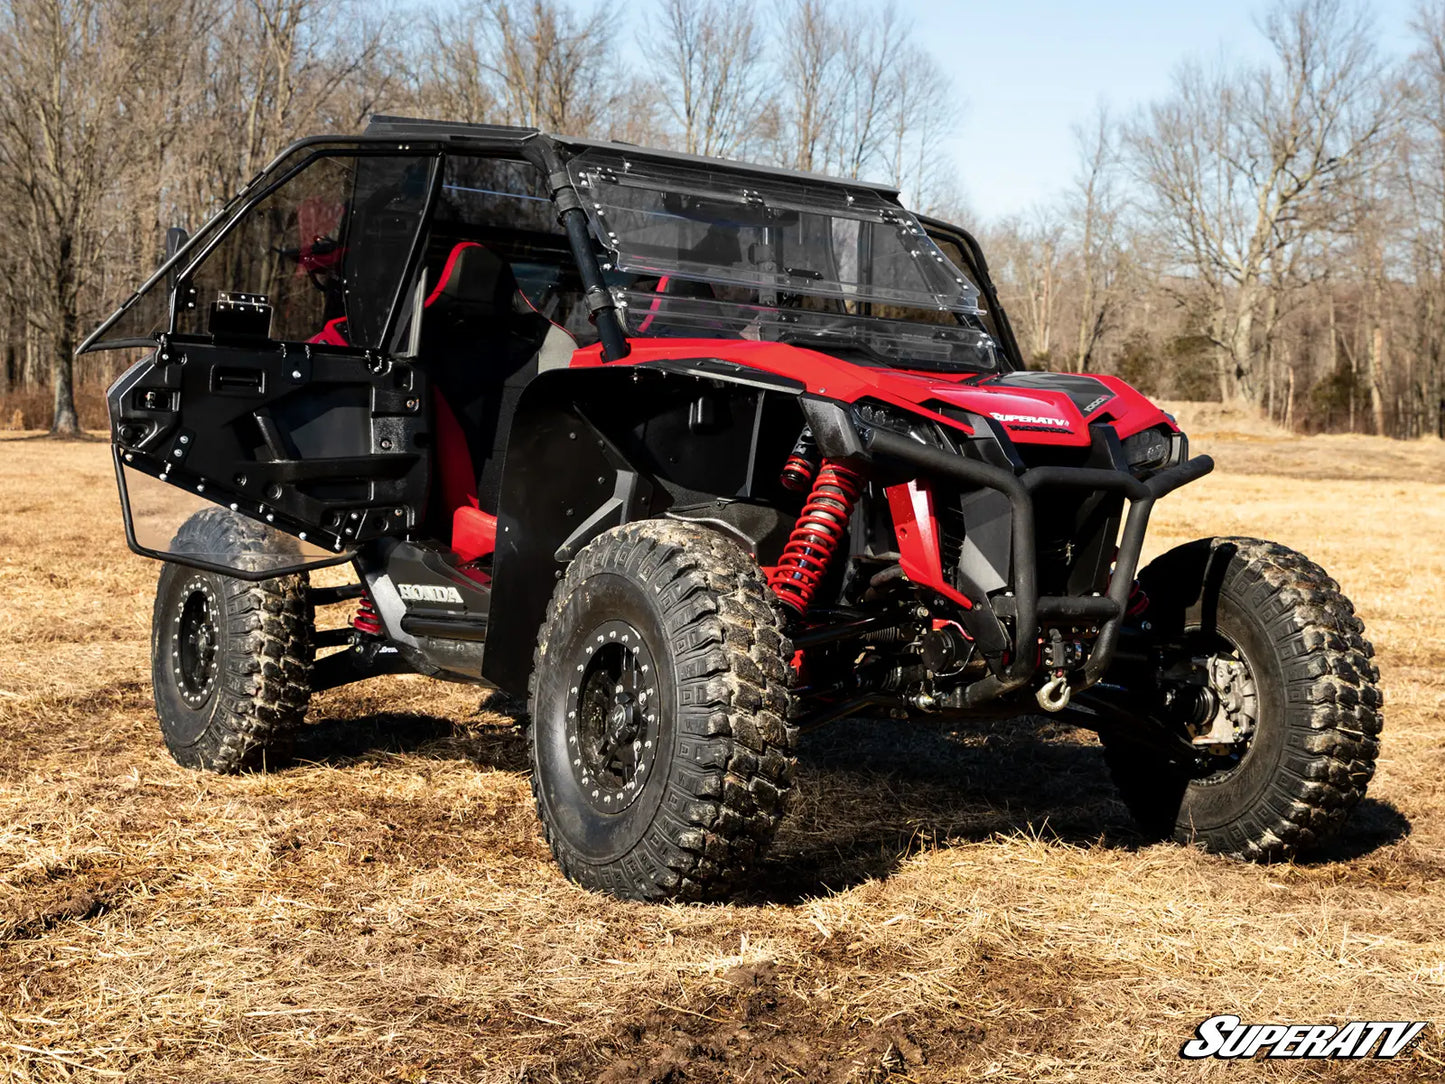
<point>715,252</point>
<point>901,343</point>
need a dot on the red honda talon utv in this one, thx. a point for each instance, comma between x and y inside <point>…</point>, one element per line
<point>695,456</point>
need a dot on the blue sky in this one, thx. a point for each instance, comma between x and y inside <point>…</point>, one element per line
<point>1028,70</point>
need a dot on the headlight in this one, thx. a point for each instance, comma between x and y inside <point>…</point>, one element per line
<point>869,414</point>
<point>1148,450</point>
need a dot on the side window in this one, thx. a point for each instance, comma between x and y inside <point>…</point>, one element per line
<point>505,206</point>
<point>321,256</point>
<point>383,217</point>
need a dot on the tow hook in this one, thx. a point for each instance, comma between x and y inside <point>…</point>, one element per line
<point>1054,694</point>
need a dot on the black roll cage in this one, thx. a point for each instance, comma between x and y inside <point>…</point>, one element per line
<point>387,135</point>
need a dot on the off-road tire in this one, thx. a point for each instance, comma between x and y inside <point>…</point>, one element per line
<point>724,746</point>
<point>240,711</point>
<point>1316,739</point>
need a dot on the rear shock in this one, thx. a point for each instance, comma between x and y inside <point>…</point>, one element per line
<point>816,536</point>
<point>367,620</point>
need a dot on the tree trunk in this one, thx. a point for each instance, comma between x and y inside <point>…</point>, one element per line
<point>1237,378</point>
<point>1289,400</point>
<point>65,422</point>
<point>1376,371</point>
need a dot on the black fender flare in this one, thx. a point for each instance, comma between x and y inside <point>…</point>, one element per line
<point>581,458</point>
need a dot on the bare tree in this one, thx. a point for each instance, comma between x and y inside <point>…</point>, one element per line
<point>550,67</point>
<point>64,67</point>
<point>1095,211</point>
<point>709,58</point>
<point>276,70</point>
<point>924,111</point>
<point>870,91</point>
<point>811,64</point>
<point>1029,255</point>
<point>1240,163</point>
<point>457,69</point>
<point>1423,180</point>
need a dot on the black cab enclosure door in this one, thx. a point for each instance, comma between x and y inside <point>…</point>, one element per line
<point>325,444</point>
<point>276,389</point>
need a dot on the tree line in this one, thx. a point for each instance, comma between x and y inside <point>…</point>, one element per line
<point>1271,232</point>
<point>119,119</point>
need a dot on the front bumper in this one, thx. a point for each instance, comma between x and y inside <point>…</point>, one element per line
<point>1027,606</point>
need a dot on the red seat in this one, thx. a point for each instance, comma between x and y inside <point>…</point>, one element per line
<point>473,531</point>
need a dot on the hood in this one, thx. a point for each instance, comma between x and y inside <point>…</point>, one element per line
<point>1052,408</point>
<point>1033,408</point>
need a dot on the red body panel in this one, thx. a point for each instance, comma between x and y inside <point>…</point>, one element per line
<point>1030,414</point>
<point>916,528</point>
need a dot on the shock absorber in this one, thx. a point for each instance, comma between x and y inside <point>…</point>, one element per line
<point>367,620</point>
<point>815,538</point>
<point>798,471</point>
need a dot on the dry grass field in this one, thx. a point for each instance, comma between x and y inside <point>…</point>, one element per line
<point>940,906</point>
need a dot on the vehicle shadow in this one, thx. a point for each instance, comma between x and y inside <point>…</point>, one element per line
<point>1372,824</point>
<point>342,740</point>
<point>872,793</point>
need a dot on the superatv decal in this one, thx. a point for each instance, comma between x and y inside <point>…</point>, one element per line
<point>1031,419</point>
<point>426,592</point>
<point>1227,1037</point>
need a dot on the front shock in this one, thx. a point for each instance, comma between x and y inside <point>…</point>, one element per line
<point>816,536</point>
<point>798,471</point>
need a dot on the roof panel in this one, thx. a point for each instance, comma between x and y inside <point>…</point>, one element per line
<point>419,128</point>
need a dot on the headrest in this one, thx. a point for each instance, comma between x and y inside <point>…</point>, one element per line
<point>476,277</point>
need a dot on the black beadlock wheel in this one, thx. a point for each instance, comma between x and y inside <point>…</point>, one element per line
<point>661,749</point>
<point>230,658</point>
<point>1269,659</point>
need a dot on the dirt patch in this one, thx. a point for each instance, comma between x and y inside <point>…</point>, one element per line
<point>756,1028</point>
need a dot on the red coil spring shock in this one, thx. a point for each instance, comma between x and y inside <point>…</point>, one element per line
<point>1138,600</point>
<point>798,471</point>
<point>367,620</point>
<point>816,535</point>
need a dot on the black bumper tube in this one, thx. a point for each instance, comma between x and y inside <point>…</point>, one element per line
<point>1027,606</point>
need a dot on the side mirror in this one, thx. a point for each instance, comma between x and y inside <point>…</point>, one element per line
<point>176,238</point>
